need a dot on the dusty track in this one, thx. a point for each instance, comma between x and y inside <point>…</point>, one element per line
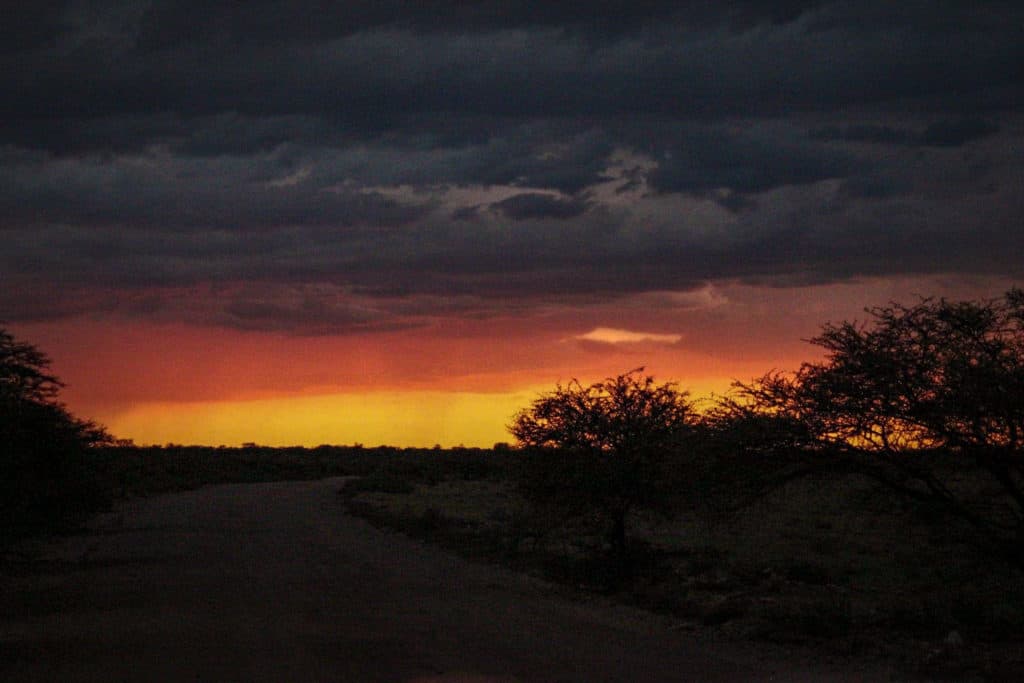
<point>272,582</point>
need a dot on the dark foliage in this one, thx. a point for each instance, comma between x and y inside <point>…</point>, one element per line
<point>45,478</point>
<point>600,452</point>
<point>926,399</point>
<point>145,470</point>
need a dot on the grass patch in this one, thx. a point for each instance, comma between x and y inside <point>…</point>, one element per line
<point>828,561</point>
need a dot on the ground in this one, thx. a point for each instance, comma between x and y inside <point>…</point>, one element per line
<point>274,582</point>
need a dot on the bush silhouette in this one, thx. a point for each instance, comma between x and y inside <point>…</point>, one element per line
<point>927,399</point>
<point>602,451</point>
<point>45,481</point>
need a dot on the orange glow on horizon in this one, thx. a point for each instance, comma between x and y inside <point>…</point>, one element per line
<point>410,419</point>
<point>188,385</point>
<point>403,419</point>
<point>454,381</point>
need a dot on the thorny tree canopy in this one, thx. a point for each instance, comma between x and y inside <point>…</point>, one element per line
<point>620,415</point>
<point>937,374</point>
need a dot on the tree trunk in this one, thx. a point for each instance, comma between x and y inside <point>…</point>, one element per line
<point>617,536</point>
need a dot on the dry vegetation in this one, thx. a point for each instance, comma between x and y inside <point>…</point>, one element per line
<point>835,563</point>
<point>832,562</point>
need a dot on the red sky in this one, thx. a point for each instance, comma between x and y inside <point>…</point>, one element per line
<point>451,381</point>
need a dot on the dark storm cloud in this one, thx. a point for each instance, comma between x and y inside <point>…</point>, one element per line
<point>866,132</point>
<point>872,186</point>
<point>535,205</point>
<point>31,26</point>
<point>944,133</point>
<point>567,158</point>
<point>166,192</point>
<point>344,154</point>
<point>956,133</point>
<point>362,71</point>
<point>701,158</point>
<point>179,21</point>
<point>212,135</point>
<point>316,311</point>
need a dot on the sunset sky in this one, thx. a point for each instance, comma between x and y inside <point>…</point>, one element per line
<point>396,222</point>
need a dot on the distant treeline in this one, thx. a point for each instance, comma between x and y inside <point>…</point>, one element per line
<point>143,470</point>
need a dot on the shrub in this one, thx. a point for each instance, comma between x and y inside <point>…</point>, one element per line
<point>926,399</point>
<point>46,478</point>
<point>603,451</point>
<point>380,480</point>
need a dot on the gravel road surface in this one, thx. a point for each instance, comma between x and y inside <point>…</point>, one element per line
<point>273,582</point>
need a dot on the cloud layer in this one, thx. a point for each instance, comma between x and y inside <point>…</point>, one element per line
<point>289,167</point>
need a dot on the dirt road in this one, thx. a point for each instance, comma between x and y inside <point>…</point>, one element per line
<point>272,582</point>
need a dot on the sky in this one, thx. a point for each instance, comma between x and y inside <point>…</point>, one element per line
<point>397,222</point>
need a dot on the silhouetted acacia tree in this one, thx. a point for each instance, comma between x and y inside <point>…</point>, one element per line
<point>43,475</point>
<point>604,450</point>
<point>928,399</point>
